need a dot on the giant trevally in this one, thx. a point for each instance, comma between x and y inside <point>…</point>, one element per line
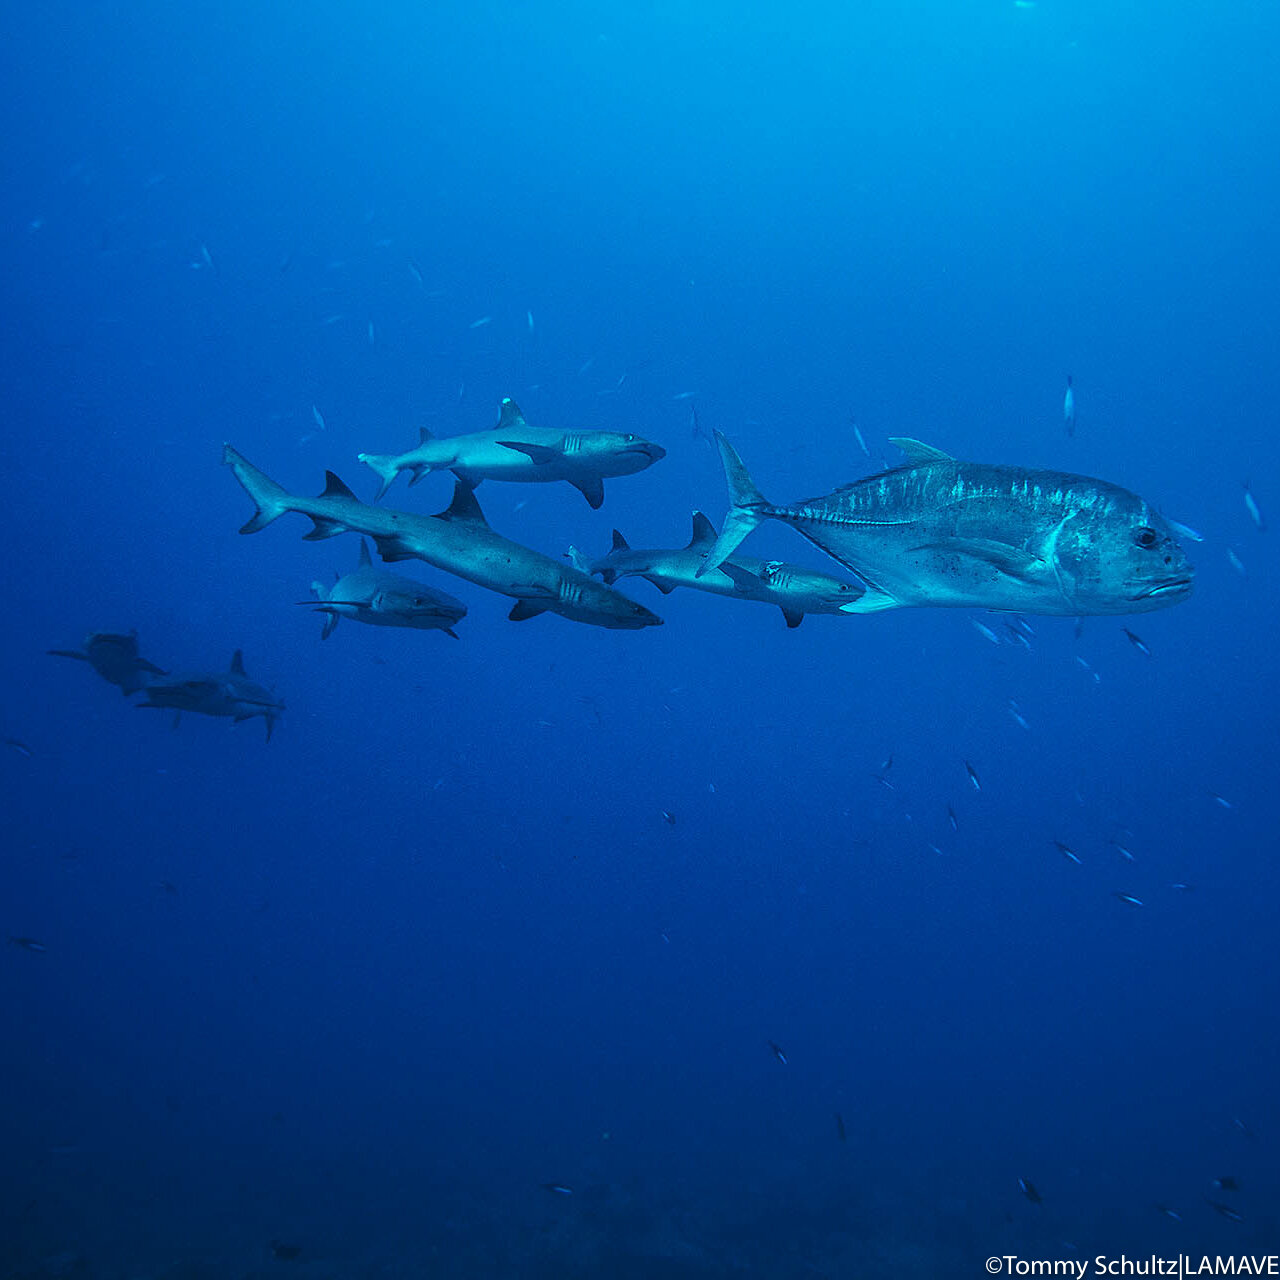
<point>513,450</point>
<point>457,540</point>
<point>975,535</point>
<point>381,598</point>
<point>794,589</point>
<point>225,693</point>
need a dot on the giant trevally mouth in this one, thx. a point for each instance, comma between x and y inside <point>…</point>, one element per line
<point>1168,587</point>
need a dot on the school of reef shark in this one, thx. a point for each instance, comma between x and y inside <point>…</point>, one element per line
<point>934,531</point>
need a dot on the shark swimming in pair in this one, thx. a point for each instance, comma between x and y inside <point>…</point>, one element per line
<point>381,598</point>
<point>458,540</point>
<point>947,533</point>
<point>513,450</point>
<point>227,693</point>
<point>115,657</point>
<point>795,590</point>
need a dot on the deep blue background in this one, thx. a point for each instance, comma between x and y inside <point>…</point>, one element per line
<point>435,945</point>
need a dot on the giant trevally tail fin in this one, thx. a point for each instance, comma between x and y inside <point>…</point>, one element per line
<point>387,467</point>
<point>745,509</point>
<point>271,500</point>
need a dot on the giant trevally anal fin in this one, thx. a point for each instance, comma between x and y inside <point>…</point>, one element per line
<point>745,509</point>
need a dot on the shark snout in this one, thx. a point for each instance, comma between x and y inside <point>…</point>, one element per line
<point>654,452</point>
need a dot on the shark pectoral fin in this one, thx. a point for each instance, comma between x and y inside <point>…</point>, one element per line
<point>661,583</point>
<point>918,453</point>
<point>68,653</point>
<point>537,453</point>
<point>741,576</point>
<point>393,549</point>
<point>593,491</point>
<point>237,663</point>
<point>422,469</point>
<point>794,617</point>
<point>366,560</point>
<point>330,622</point>
<point>449,631</point>
<point>151,668</point>
<point>1013,562</point>
<point>524,609</point>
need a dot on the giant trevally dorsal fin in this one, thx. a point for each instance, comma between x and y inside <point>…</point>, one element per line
<point>237,663</point>
<point>334,488</point>
<point>509,414</point>
<point>464,506</point>
<point>918,453</point>
<point>366,560</point>
<point>704,532</point>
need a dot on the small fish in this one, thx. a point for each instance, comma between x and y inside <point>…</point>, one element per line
<point>285,1252</point>
<point>1137,642</point>
<point>19,746</point>
<point>1238,1124</point>
<point>1225,1183</point>
<point>169,887</point>
<point>668,817</point>
<point>1169,1212</point>
<point>370,332</point>
<point>416,272</point>
<point>528,315</point>
<point>1183,887</point>
<point>1255,512</point>
<point>480,324</point>
<point>777,1052</point>
<point>684,395</point>
<point>857,435</point>
<point>973,776</point>
<point>1121,850</point>
<point>1127,898</point>
<point>1017,715</point>
<point>319,418</point>
<point>206,259</point>
<point>1236,563</point>
<point>1018,637</point>
<point>1028,1189</point>
<point>840,1131</point>
<point>1097,679</point>
<point>556,1188</point>
<point>27,944</point>
<point>951,818</point>
<point>586,365</point>
<point>1078,630</point>
<point>1221,801</point>
<point>1231,1215</point>
<point>1068,400</point>
<point>888,764</point>
<point>1021,624</point>
<point>1067,852</point>
<point>985,631</point>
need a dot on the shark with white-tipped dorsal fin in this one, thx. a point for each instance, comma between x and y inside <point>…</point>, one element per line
<point>381,598</point>
<point>227,693</point>
<point>513,450</point>
<point>115,657</point>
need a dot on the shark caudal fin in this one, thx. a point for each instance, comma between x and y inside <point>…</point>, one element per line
<point>745,509</point>
<point>271,500</point>
<point>385,465</point>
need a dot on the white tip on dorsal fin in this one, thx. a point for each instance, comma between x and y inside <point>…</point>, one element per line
<point>509,414</point>
<point>919,453</point>
<point>463,507</point>
<point>366,560</point>
<point>704,532</point>
<point>237,663</point>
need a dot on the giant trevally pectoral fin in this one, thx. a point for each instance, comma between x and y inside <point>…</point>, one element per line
<point>270,498</point>
<point>745,510</point>
<point>1013,562</point>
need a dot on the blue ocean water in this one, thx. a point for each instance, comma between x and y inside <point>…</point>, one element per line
<point>368,991</point>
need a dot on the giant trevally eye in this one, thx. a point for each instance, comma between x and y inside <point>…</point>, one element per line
<point>1145,538</point>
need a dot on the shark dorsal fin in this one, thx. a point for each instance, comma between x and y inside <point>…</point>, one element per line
<point>366,560</point>
<point>619,542</point>
<point>704,532</point>
<point>424,435</point>
<point>509,414</point>
<point>334,488</point>
<point>464,506</point>
<point>918,453</point>
<point>237,663</point>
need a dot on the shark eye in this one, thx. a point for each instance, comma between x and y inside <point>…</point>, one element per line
<point>1145,538</point>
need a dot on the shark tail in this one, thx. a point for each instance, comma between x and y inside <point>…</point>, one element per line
<point>746,508</point>
<point>271,500</point>
<point>387,467</point>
